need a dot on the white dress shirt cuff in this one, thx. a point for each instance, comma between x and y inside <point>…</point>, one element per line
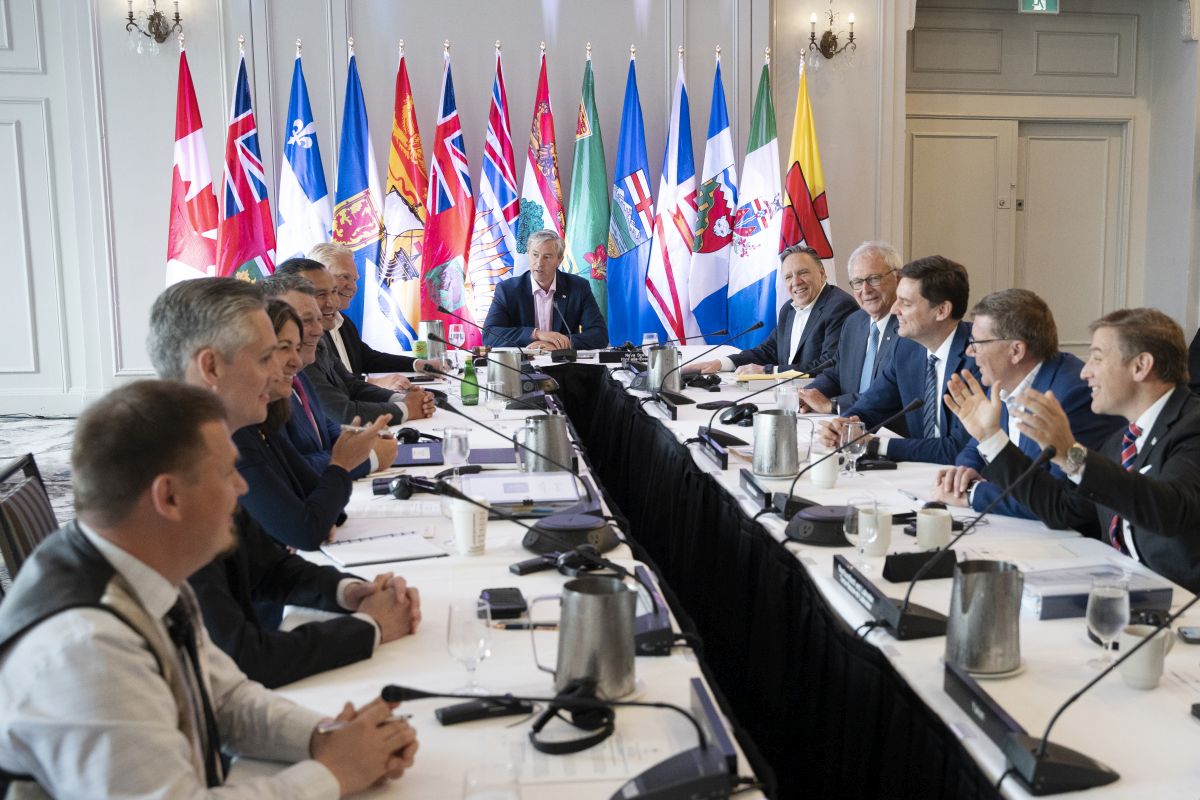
<point>883,444</point>
<point>374,459</point>
<point>726,364</point>
<point>342,586</point>
<point>397,400</point>
<point>990,447</point>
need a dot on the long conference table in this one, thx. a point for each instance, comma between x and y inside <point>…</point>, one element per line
<point>818,709</point>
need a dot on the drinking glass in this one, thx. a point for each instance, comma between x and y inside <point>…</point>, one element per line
<point>1107,614</point>
<point>787,398</point>
<point>495,398</point>
<point>455,448</point>
<point>648,341</point>
<point>457,337</point>
<point>860,526</point>
<point>850,432</point>
<point>469,638</point>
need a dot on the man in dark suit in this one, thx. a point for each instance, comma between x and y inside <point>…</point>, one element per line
<point>1142,487</point>
<point>869,336</point>
<point>1014,340</point>
<point>215,333</point>
<point>931,300</point>
<point>807,331</point>
<point>545,308</point>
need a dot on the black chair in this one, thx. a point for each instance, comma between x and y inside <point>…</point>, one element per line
<point>26,516</point>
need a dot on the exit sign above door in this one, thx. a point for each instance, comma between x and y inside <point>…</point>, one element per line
<point>1037,6</point>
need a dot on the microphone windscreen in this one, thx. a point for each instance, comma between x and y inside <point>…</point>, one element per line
<point>402,694</point>
<point>442,309</point>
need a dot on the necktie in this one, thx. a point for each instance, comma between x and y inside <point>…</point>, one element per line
<point>183,634</point>
<point>930,409</point>
<point>1116,531</point>
<point>298,388</point>
<point>868,370</point>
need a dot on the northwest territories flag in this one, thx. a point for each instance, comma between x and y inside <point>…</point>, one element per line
<point>630,228</point>
<point>806,208</point>
<point>675,224</point>
<point>708,282</point>
<point>587,222</point>
<point>305,215</point>
<point>754,256</point>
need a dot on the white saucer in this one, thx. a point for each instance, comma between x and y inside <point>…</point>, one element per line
<point>995,676</point>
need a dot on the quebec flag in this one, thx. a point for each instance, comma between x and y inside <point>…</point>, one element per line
<point>305,211</point>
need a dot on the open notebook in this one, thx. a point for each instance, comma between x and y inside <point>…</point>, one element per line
<point>388,547</point>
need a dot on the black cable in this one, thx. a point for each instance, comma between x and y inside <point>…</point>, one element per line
<point>693,440</point>
<point>746,784</point>
<point>693,641</point>
<point>767,510</point>
<point>1003,775</point>
<point>869,626</point>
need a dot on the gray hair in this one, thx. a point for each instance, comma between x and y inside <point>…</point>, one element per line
<point>882,250</point>
<point>200,313</point>
<point>281,283</point>
<point>329,252</point>
<point>801,249</point>
<point>547,235</point>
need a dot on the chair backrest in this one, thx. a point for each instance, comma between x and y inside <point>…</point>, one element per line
<point>26,516</point>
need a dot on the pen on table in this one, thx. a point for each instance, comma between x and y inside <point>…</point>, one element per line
<point>383,434</point>
<point>525,626</point>
<point>331,725</point>
<point>909,495</point>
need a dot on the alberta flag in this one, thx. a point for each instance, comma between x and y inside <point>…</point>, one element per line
<point>494,239</point>
<point>192,234</point>
<point>630,228</point>
<point>541,192</point>
<point>754,288</point>
<point>357,211</point>
<point>246,233</point>
<point>451,212</point>
<point>587,223</point>
<point>709,279</point>
<point>675,225</point>
<point>305,213</point>
<point>806,208</point>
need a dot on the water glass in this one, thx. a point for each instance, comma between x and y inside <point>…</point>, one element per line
<point>469,638</point>
<point>860,526</point>
<point>850,432</point>
<point>787,397</point>
<point>457,336</point>
<point>455,447</point>
<point>495,398</point>
<point>1107,614</point>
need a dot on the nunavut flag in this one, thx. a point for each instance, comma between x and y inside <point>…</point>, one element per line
<point>806,209</point>
<point>246,233</point>
<point>192,236</point>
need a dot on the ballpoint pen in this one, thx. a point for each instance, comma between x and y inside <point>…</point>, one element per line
<point>525,626</point>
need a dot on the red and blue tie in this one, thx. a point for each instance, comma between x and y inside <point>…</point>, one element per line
<point>1116,531</point>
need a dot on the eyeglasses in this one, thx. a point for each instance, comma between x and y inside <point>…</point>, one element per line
<point>874,281</point>
<point>977,342</point>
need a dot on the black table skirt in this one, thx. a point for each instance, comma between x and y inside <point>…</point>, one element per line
<point>826,711</point>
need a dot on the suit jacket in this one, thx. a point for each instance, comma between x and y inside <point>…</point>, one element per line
<point>1194,363</point>
<point>364,358</point>
<point>511,319</point>
<point>242,596</point>
<point>819,342</point>
<point>296,505</point>
<point>345,396</point>
<point>1160,498</point>
<point>315,444</point>
<point>840,383</point>
<point>1061,376</point>
<point>903,380</point>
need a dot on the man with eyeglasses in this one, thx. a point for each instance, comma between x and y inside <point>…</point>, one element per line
<point>1014,341</point>
<point>808,328</point>
<point>869,336</point>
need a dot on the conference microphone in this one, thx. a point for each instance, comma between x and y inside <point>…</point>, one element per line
<point>1048,768</point>
<point>443,310</point>
<point>563,353</point>
<point>788,505</point>
<point>674,398</point>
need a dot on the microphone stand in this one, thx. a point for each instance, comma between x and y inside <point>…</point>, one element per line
<point>677,399</point>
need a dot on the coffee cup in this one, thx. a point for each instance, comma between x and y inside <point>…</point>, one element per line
<point>470,527</point>
<point>933,528</point>
<point>1144,668</point>
<point>824,474</point>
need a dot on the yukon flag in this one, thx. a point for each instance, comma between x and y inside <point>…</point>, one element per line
<point>404,210</point>
<point>305,212</point>
<point>587,224</point>
<point>541,193</point>
<point>806,209</point>
<point>754,257</point>
<point>708,282</point>
<point>494,240</point>
<point>192,233</point>
<point>246,232</point>
<point>675,224</point>
<point>451,211</point>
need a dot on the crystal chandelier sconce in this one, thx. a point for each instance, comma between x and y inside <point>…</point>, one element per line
<point>827,46</point>
<point>150,27</point>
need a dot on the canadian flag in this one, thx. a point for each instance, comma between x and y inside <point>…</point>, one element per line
<point>192,234</point>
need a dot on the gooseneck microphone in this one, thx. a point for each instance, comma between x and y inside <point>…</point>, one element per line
<point>435,371</point>
<point>722,332</point>
<point>443,310</point>
<point>680,399</point>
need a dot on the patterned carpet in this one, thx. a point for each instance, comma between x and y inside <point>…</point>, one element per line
<point>50,442</point>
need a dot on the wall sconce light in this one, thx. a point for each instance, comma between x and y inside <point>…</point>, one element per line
<point>826,47</point>
<point>152,24</point>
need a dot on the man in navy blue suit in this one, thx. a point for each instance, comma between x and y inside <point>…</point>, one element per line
<point>931,300</point>
<point>1015,343</point>
<point>869,336</point>
<point>808,328</point>
<point>544,308</point>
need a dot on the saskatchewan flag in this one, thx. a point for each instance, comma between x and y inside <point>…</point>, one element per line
<point>587,222</point>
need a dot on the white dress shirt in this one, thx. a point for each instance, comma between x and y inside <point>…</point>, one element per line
<point>799,323</point>
<point>87,713</point>
<point>338,344</point>
<point>942,353</point>
<point>1010,399</point>
<point>543,303</point>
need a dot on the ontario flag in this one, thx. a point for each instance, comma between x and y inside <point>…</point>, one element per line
<point>404,209</point>
<point>451,211</point>
<point>541,192</point>
<point>806,209</point>
<point>192,234</point>
<point>246,232</point>
<point>494,239</point>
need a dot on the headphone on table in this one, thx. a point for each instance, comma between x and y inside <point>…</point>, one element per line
<point>412,436</point>
<point>741,415</point>
<point>403,487</point>
<point>599,719</point>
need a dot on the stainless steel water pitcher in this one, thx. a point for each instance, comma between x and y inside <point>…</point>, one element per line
<point>983,632</point>
<point>664,358</point>
<point>428,326</point>
<point>543,439</point>
<point>775,451</point>
<point>595,635</point>
<point>505,366</point>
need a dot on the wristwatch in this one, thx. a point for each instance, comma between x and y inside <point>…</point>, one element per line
<point>1076,458</point>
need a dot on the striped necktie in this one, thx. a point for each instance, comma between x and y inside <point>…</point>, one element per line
<point>930,409</point>
<point>183,633</point>
<point>302,396</point>
<point>1116,530</point>
<point>868,370</point>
